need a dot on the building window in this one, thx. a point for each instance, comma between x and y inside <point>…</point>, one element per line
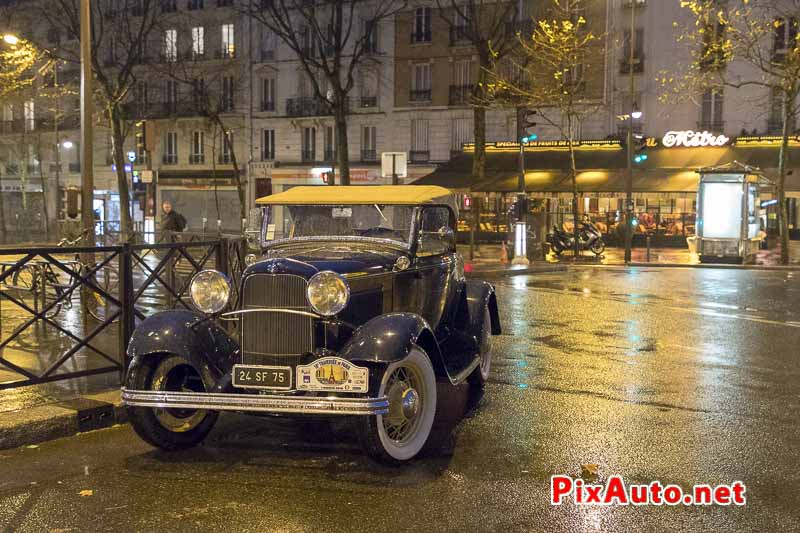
<point>170,148</point>
<point>170,95</point>
<point>267,44</point>
<point>198,155</point>
<point>198,41</point>
<point>29,112</point>
<point>421,32</point>
<point>267,145</point>
<point>227,148</point>
<point>369,88</point>
<point>268,94</point>
<point>785,35</point>
<point>196,4</point>
<point>711,111</point>
<point>461,132</point>
<point>420,147</point>
<point>227,93</point>
<point>329,138</point>
<point>169,6</point>
<point>420,82</point>
<point>370,36</point>
<point>228,42</point>
<point>140,95</point>
<point>638,52</point>
<point>775,120</point>
<point>308,145</point>
<point>368,143</point>
<point>141,147</point>
<point>171,45</point>
<point>461,87</point>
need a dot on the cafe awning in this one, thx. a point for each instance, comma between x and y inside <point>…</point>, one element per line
<point>605,170</point>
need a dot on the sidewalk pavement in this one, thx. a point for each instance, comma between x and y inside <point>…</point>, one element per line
<point>487,260</point>
<point>30,415</point>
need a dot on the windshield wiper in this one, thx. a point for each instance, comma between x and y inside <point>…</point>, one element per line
<point>381,213</point>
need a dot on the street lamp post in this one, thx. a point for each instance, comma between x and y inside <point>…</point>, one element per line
<point>87,110</point>
<point>629,175</point>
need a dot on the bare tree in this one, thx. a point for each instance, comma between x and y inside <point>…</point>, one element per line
<point>213,94</point>
<point>549,73</point>
<point>28,82</point>
<point>331,40</point>
<point>120,33</point>
<point>490,27</point>
<point>761,36</point>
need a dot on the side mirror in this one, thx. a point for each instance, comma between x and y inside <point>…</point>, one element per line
<point>446,233</point>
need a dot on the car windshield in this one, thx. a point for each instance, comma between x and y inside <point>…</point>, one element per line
<point>388,223</point>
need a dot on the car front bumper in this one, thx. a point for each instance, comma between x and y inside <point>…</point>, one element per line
<point>259,403</point>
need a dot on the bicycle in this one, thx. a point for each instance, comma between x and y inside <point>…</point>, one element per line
<point>40,278</point>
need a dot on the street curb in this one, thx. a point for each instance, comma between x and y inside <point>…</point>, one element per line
<point>512,271</point>
<point>34,425</point>
<point>780,268</point>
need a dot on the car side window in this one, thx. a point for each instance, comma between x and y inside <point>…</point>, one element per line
<point>436,236</point>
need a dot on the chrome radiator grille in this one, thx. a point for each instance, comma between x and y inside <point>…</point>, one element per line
<point>275,338</point>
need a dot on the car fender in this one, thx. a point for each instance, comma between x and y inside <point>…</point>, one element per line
<point>480,294</point>
<point>388,338</point>
<point>197,338</point>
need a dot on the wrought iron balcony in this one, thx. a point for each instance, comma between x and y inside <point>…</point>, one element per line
<point>459,35</point>
<point>307,106</point>
<point>419,95</point>
<point>268,105</point>
<point>197,159</point>
<point>461,94</point>
<point>75,168</point>
<point>421,37</point>
<point>369,101</point>
<point>419,156</point>
<point>225,159</point>
<point>307,156</point>
<point>369,155</point>
<point>169,159</point>
<point>330,155</point>
<point>638,65</point>
<point>711,125</point>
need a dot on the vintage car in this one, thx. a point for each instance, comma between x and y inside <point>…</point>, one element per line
<point>357,306</point>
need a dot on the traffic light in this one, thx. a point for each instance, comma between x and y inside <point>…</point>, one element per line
<point>525,121</point>
<point>640,146</point>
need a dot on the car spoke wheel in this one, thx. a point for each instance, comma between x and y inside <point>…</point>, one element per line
<point>169,428</point>
<point>598,246</point>
<point>410,387</point>
<point>481,374</point>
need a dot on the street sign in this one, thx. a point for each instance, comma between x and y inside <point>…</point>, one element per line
<point>147,176</point>
<point>394,163</point>
<point>131,156</point>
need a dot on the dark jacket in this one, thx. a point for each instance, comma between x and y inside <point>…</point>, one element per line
<point>174,221</point>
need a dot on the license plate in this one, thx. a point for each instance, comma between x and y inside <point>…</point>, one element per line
<point>262,377</point>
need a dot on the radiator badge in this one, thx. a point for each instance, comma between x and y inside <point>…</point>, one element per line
<point>332,374</point>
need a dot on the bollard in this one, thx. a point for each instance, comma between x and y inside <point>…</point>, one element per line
<point>648,248</point>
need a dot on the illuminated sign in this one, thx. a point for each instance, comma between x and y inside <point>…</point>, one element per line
<point>692,139</point>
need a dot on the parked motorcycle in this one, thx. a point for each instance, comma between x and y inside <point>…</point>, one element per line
<point>560,240</point>
<point>591,238</point>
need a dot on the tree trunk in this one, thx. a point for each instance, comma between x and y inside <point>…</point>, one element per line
<point>573,171</point>
<point>342,155</point>
<point>240,186</point>
<point>118,140</point>
<point>478,162</point>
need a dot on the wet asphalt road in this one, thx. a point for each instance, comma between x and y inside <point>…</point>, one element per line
<point>679,375</point>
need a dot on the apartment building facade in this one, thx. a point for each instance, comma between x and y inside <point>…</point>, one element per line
<point>411,95</point>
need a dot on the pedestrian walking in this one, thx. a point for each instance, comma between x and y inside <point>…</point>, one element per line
<point>172,222</point>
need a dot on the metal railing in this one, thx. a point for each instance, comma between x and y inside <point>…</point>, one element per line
<point>69,312</point>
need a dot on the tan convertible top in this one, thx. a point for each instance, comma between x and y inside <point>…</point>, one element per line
<point>363,195</point>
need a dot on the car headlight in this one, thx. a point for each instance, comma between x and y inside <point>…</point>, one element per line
<point>328,293</point>
<point>210,291</point>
